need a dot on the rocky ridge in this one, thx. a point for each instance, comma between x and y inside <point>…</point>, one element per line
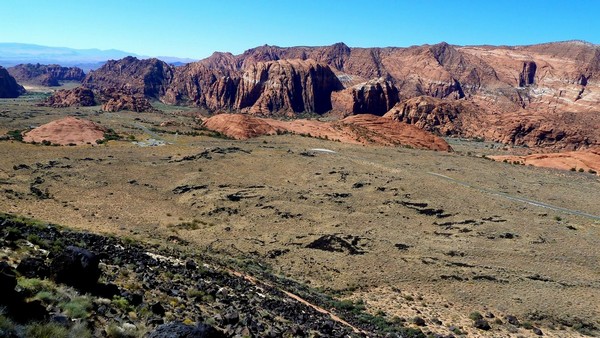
<point>105,286</point>
<point>533,87</point>
<point>45,75</point>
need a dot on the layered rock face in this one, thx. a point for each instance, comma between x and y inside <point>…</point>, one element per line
<point>286,85</point>
<point>45,75</point>
<point>76,97</point>
<point>9,88</point>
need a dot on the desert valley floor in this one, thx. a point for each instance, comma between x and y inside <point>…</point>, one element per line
<point>409,232</point>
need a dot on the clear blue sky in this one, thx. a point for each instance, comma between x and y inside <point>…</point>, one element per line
<point>195,28</point>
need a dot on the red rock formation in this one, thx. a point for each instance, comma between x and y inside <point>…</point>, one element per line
<point>585,160</point>
<point>240,126</point>
<point>45,75</point>
<point>9,88</point>
<point>76,97</point>
<point>286,86</point>
<point>359,129</point>
<point>443,117</point>
<point>114,101</point>
<point>373,97</point>
<point>521,95</point>
<point>66,131</point>
<point>148,77</point>
<point>290,86</point>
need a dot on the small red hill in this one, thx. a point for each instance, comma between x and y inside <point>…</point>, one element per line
<point>66,131</point>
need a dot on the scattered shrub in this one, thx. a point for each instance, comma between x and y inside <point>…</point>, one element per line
<point>46,330</point>
<point>475,316</point>
<point>78,307</point>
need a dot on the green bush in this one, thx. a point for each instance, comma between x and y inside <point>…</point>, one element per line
<point>121,303</point>
<point>16,135</point>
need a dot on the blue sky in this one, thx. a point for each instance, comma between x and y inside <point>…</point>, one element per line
<point>195,29</point>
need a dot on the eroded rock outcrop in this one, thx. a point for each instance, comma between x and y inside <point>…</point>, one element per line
<point>45,75</point>
<point>149,77</point>
<point>76,97</point>
<point>9,88</point>
<point>429,113</point>
<point>113,101</point>
<point>286,86</point>
<point>372,97</point>
<point>527,76</point>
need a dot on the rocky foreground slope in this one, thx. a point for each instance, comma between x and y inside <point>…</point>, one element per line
<point>45,75</point>
<point>60,283</point>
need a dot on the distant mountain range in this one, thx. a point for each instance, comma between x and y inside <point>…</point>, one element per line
<point>12,54</point>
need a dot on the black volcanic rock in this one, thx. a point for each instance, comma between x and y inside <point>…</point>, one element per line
<point>76,267</point>
<point>45,75</point>
<point>32,267</point>
<point>9,88</point>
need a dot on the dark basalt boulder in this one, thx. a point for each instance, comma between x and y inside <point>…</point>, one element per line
<point>32,267</point>
<point>76,267</point>
<point>8,280</point>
